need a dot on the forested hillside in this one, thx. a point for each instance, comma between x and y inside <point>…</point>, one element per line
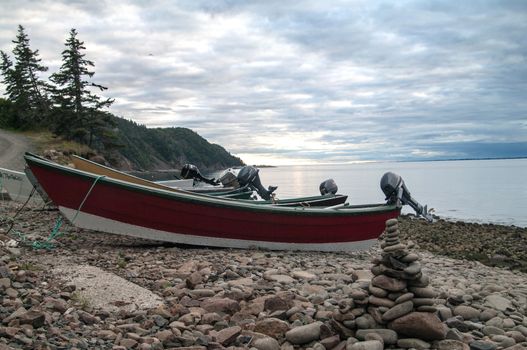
<point>169,148</point>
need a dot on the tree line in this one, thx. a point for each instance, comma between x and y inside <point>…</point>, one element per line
<point>66,104</point>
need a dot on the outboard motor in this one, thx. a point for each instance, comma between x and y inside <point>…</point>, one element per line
<point>248,176</point>
<point>328,186</point>
<point>190,171</point>
<point>396,193</point>
<point>229,178</point>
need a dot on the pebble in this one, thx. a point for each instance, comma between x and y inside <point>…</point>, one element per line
<point>483,345</point>
<point>413,343</point>
<point>388,336</point>
<point>304,334</point>
<point>449,344</point>
<point>367,345</point>
<point>467,312</point>
<point>266,343</point>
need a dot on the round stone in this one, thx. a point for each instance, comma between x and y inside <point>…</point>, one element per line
<point>367,345</point>
<point>304,334</point>
<point>391,222</point>
<point>388,336</point>
<point>381,301</point>
<point>413,343</point>
<point>413,269</point>
<point>410,258</point>
<point>426,308</point>
<point>423,292</point>
<point>392,229</point>
<point>378,292</point>
<point>467,312</point>
<point>398,311</point>
<point>394,248</point>
<point>388,283</point>
<point>405,297</point>
<point>482,345</point>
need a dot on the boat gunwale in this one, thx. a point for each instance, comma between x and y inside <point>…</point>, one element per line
<point>225,193</point>
<point>205,200</point>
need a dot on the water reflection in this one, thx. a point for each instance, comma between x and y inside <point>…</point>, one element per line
<point>484,190</point>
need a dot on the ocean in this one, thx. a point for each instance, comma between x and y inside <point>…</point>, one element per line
<point>483,191</point>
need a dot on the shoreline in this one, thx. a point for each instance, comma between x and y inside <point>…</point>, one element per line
<point>98,290</point>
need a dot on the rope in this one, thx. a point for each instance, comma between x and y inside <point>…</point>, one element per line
<point>2,186</point>
<point>47,244</point>
<point>19,210</point>
<point>86,197</point>
<point>2,197</point>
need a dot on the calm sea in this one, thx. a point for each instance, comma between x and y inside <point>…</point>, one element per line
<point>486,191</point>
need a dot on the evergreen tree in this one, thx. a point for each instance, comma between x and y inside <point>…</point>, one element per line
<point>5,113</point>
<point>79,111</point>
<point>23,86</point>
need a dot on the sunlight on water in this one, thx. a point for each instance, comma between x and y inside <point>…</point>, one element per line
<point>476,190</point>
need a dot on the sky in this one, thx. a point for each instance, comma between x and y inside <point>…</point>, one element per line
<point>300,82</point>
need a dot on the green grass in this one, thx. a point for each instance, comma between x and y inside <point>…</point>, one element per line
<point>45,140</point>
<point>82,302</point>
<point>29,266</point>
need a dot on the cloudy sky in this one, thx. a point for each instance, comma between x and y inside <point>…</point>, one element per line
<point>281,82</point>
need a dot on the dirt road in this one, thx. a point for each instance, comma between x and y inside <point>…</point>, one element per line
<point>12,148</point>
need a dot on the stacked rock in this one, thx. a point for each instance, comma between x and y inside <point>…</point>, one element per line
<point>400,296</point>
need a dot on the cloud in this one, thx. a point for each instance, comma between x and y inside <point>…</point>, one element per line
<point>307,81</point>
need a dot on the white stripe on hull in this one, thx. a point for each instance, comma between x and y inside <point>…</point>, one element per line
<point>94,222</point>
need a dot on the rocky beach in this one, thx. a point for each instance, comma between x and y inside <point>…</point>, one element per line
<point>446,285</point>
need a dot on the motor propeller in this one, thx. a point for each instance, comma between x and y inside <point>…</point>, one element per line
<point>397,193</point>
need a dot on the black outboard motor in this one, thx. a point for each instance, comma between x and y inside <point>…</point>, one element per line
<point>248,176</point>
<point>396,193</point>
<point>328,186</point>
<point>190,171</point>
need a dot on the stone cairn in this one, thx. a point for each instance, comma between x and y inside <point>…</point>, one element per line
<point>401,298</point>
<point>400,305</point>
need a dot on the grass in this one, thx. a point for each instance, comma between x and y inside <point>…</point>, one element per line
<point>45,140</point>
<point>166,285</point>
<point>121,260</point>
<point>28,266</point>
<point>80,300</point>
<point>121,263</point>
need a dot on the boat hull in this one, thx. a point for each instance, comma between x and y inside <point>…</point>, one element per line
<point>123,208</point>
<point>18,187</point>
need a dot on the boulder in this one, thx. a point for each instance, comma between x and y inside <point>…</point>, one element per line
<point>422,325</point>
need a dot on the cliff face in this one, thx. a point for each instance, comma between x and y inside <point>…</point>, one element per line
<point>166,148</point>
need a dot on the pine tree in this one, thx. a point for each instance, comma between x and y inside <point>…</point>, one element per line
<point>23,86</point>
<point>80,116</point>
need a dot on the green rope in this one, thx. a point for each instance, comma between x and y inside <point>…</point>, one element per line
<point>47,244</point>
<point>86,197</point>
